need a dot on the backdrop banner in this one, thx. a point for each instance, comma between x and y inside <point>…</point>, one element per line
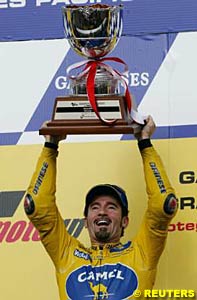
<point>25,264</point>
<point>41,19</point>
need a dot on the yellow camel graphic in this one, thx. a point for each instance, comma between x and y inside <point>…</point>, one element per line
<point>99,289</point>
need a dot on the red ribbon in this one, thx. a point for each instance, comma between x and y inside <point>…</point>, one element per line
<point>91,67</point>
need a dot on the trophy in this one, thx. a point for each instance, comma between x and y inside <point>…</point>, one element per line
<point>95,104</point>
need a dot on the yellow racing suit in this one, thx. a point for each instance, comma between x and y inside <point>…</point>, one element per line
<point>114,271</point>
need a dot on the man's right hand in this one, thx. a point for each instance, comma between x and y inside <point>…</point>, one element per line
<point>54,139</point>
<point>147,130</point>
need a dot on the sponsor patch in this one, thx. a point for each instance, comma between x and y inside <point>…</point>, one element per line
<point>29,205</point>
<point>81,254</point>
<point>40,178</point>
<point>170,204</point>
<point>158,177</point>
<point>109,281</point>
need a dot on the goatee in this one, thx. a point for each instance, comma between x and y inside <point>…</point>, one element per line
<point>102,235</point>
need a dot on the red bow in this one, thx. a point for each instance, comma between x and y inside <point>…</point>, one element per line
<point>90,69</point>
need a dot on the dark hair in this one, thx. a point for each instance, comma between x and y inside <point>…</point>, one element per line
<point>107,190</point>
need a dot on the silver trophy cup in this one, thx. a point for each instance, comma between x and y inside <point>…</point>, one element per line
<point>94,104</point>
<point>93,32</point>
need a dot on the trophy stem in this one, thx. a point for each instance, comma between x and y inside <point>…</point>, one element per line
<point>89,79</point>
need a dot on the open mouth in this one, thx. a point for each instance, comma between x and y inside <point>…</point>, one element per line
<point>102,222</point>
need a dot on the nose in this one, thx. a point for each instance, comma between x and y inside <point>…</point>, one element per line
<point>102,211</point>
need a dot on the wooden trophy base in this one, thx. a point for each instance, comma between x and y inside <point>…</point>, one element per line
<point>74,115</point>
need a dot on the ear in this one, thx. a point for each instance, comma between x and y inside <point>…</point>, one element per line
<point>85,222</point>
<point>125,221</point>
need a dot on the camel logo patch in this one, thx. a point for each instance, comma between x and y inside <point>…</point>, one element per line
<point>109,281</point>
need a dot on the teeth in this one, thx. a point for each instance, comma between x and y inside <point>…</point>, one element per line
<point>102,222</point>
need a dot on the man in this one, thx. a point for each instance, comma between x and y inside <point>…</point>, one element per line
<point>109,269</point>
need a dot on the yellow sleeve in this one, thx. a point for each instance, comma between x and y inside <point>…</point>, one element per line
<point>162,206</point>
<point>41,208</point>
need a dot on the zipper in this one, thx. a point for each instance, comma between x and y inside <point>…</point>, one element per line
<point>100,257</point>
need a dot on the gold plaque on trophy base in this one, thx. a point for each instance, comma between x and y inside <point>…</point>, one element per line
<point>74,115</point>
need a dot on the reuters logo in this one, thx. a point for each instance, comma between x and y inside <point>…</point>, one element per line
<point>164,294</point>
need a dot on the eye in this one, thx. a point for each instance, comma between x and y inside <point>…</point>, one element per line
<point>112,206</point>
<point>94,206</point>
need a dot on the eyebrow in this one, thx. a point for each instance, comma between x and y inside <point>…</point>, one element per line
<point>95,202</point>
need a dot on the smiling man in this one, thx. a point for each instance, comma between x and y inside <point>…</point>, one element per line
<point>106,213</point>
<point>108,269</point>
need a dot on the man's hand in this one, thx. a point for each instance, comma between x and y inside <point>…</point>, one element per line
<point>147,130</point>
<point>55,139</point>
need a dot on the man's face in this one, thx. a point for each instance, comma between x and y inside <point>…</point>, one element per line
<point>104,220</point>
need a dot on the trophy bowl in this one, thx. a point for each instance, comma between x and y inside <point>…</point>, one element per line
<point>93,31</point>
<point>94,104</point>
